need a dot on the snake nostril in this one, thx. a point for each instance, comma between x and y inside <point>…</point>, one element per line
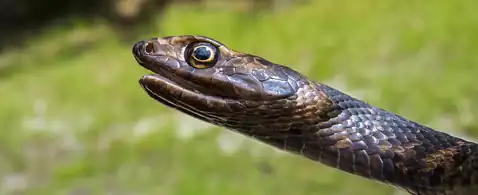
<point>149,47</point>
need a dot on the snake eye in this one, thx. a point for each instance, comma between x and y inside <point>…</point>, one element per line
<point>203,56</point>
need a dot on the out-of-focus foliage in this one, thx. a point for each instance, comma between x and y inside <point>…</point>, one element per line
<point>21,18</point>
<point>75,121</point>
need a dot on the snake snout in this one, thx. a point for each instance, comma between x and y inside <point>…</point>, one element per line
<point>144,48</point>
<point>146,52</point>
<point>138,48</point>
<point>138,51</point>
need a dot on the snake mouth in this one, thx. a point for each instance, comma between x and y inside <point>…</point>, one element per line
<point>169,85</point>
<point>170,94</point>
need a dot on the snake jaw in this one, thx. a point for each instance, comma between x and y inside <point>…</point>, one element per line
<point>189,101</point>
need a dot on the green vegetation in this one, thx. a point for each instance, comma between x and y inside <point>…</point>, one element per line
<point>75,121</point>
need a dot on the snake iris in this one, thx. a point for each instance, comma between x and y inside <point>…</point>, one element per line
<point>274,104</point>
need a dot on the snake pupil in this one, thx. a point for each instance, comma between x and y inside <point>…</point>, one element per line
<point>202,53</point>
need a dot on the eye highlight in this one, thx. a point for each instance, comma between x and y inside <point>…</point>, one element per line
<point>202,55</point>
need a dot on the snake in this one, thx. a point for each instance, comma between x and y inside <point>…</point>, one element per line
<point>276,105</point>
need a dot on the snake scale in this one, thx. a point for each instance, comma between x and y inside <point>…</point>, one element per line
<point>276,105</point>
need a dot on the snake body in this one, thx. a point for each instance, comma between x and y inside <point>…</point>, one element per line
<point>274,104</point>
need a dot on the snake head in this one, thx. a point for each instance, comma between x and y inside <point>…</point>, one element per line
<point>205,79</point>
<point>200,72</point>
<point>203,64</point>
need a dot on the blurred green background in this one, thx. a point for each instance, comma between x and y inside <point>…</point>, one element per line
<point>75,121</point>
